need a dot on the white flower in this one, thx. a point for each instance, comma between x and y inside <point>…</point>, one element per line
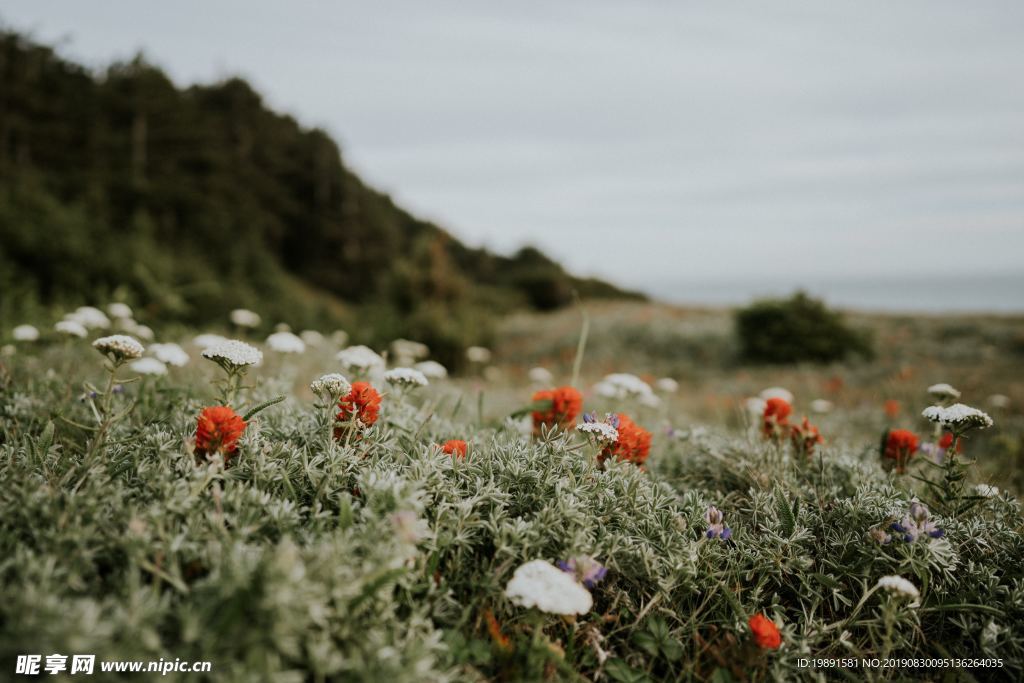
<point>232,354</point>
<point>1000,401</point>
<point>755,405</point>
<point>958,417</point>
<point>8,350</point>
<point>90,318</point>
<point>72,328</point>
<point>360,359</point>
<point>431,369</point>
<point>243,317</point>
<point>286,342</point>
<point>406,377</point>
<point>408,351</point>
<point>339,337</point>
<point>331,386</point>
<point>943,391</point>
<point>820,405</point>
<point>542,585</point>
<point>141,331</point>
<point>777,392</point>
<point>478,354</point>
<point>602,431</point>
<point>311,337</point>
<point>170,353</point>
<point>207,340</point>
<point>540,375</point>
<point>667,385</point>
<point>622,385</point>
<point>148,366</point>
<point>897,584</point>
<point>986,490</point>
<point>120,347</point>
<point>119,310</point>
<point>25,333</point>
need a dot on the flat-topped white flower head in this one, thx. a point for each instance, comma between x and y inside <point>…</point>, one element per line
<point>331,386</point>
<point>622,385</point>
<point>542,585</point>
<point>541,376</point>
<point>90,317</point>
<point>360,359</point>
<point>208,340</point>
<point>777,392</point>
<point>958,417</point>
<point>406,377</point>
<point>119,347</point>
<point>603,432</point>
<point>148,366</point>
<point>478,354</point>
<point>140,331</point>
<point>243,317</point>
<point>755,405</point>
<point>71,328</point>
<point>119,310</point>
<point>408,350</point>
<point>943,392</point>
<point>667,385</point>
<point>821,406</point>
<point>431,369</point>
<point>25,333</point>
<point>311,337</point>
<point>986,490</point>
<point>900,586</point>
<point>286,342</point>
<point>232,354</point>
<point>170,353</point>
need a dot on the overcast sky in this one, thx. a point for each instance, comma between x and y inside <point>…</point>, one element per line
<point>651,143</point>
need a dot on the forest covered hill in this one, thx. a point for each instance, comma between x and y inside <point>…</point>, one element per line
<point>188,202</point>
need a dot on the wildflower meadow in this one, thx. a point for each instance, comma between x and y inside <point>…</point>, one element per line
<point>294,507</point>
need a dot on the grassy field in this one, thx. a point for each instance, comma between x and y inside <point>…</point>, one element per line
<point>357,552</point>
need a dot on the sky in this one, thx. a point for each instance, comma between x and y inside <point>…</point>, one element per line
<point>698,151</point>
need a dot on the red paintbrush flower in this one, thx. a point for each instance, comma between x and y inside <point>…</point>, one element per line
<point>805,437</point>
<point>218,430</point>
<point>947,440</point>
<point>566,404</point>
<point>455,448</point>
<point>633,445</point>
<point>775,422</point>
<point>891,408</point>
<point>766,633</point>
<point>361,405</point>
<point>900,446</point>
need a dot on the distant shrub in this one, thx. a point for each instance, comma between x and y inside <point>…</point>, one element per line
<point>796,329</point>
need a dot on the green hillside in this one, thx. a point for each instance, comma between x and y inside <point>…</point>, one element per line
<point>190,202</point>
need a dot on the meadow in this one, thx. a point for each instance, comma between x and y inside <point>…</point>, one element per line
<point>498,526</point>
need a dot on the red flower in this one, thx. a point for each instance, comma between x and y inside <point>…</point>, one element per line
<point>455,448</point>
<point>776,418</point>
<point>566,404</point>
<point>805,437</point>
<point>899,446</point>
<point>362,403</point>
<point>766,633</point>
<point>218,430</point>
<point>634,444</point>
<point>892,408</point>
<point>947,440</point>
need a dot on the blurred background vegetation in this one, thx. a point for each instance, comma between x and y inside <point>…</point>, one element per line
<point>187,203</point>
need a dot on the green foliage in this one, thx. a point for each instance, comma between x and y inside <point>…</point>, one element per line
<point>795,330</point>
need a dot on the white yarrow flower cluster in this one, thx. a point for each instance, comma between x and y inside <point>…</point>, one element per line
<point>243,317</point>
<point>755,405</point>
<point>25,333</point>
<point>406,377</point>
<point>233,354</point>
<point>286,342</point>
<point>899,585</point>
<point>622,385</point>
<point>541,376</point>
<point>603,432</point>
<point>777,392</point>
<point>119,347</point>
<point>943,391</point>
<point>431,369</point>
<point>311,337</point>
<point>821,406</point>
<point>478,354</point>
<point>148,366</point>
<point>958,417</point>
<point>542,585</point>
<point>667,385</point>
<point>986,490</point>
<point>170,353</point>
<point>89,317</point>
<point>360,359</point>
<point>71,328</point>
<point>330,386</point>
<point>119,310</point>
<point>407,351</point>
<point>208,340</point>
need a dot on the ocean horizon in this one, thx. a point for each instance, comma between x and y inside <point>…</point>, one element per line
<point>996,293</point>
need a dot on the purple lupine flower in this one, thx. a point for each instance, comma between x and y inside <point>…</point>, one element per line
<point>716,524</point>
<point>917,524</point>
<point>585,569</point>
